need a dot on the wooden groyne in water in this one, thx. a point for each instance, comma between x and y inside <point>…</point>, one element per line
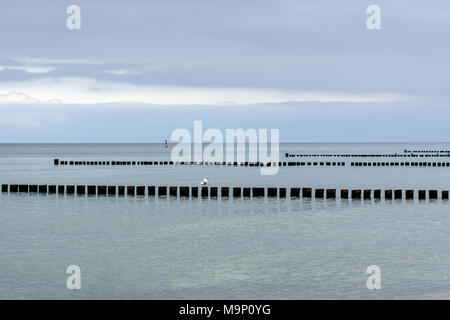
<point>226,192</point>
<point>58,162</point>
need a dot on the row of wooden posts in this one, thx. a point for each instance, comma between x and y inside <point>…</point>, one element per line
<point>170,163</point>
<point>392,155</point>
<point>250,164</point>
<point>213,192</point>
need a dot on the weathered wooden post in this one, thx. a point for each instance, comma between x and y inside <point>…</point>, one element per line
<point>258,192</point>
<point>173,191</point>
<point>101,190</point>
<point>282,192</point>
<point>194,191</point>
<point>52,189</point>
<point>204,192</point>
<point>151,190</point>
<point>184,192</point>
<point>432,194</point>
<point>422,194</point>
<point>319,193</point>
<point>69,189</point>
<point>237,192</point>
<point>295,192</point>
<point>388,194</point>
<point>246,192</point>
<point>331,193</point>
<point>81,190</point>
<point>162,191</point>
<point>377,194</point>
<point>92,190</point>
<point>225,192</point>
<point>213,192</point>
<point>356,194</point>
<point>111,190</point>
<point>306,192</point>
<point>398,194</point>
<point>272,192</point>
<point>367,194</point>
<point>344,194</point>
<point>409,194</point>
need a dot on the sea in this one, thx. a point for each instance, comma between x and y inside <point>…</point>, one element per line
<point>147,247</point>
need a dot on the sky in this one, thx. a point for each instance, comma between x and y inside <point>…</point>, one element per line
<point>137,70</point>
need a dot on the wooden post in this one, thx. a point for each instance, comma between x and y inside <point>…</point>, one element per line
<point>331,193</point>
<point>319,193</point>
<point>422,194</point>
<point>101,190</point>
<point>237,192</point>
<point>81,190</point>
<point>225,192</point>
<point>388,194</point>
<point>204,192</point>
<point>213,192</point>
<point>295,192</point>
<point>377,194</point>
<point>356,194</point>
<point>69,189</point>
<point>258,192</point>
<point>92,190</point>
<point>151,190</point>
<point>409,194</point>
<point>162,191</point>
<point>306,192</point>
<point>432,194</point>
<point>272,192</point>
<point>173,191</point>
<point>111,190</point>
<point>398,194</point>
<point>344,194</point>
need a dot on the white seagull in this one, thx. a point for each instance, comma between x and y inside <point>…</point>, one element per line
<point>204,182</point>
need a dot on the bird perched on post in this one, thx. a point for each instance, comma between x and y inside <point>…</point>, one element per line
<point>204,182</point>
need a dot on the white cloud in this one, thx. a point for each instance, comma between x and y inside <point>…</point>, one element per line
<point>28,69</point>
<point>122,72</point>
<point>91,91</point>
<point>54,61</point>
<point>14,97</point>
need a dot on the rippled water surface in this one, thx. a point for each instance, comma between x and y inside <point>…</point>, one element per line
<point>169,248</point>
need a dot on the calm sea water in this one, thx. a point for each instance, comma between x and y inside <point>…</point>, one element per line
<point>169,248</point>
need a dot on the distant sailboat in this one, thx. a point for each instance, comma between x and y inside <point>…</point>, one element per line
<point>166,143</point>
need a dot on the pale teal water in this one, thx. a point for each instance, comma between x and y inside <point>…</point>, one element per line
<point>198,248</point>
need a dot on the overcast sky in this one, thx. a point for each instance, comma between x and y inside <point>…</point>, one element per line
<point>137,70</point>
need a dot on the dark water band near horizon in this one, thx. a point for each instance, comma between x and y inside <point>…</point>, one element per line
<point>169,248</point>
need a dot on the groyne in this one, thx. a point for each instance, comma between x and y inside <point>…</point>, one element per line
<point>225,192</point>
